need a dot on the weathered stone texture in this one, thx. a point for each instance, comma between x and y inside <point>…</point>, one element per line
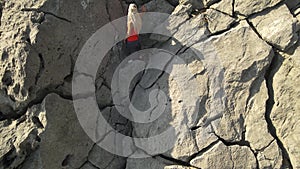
<point>285,113</point>
<point>277,27</point>
<point>228,89</point>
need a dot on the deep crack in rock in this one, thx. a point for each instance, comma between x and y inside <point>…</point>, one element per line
<point>45,12</point>
<point>275,65</point>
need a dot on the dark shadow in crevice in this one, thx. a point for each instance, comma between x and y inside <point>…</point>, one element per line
<point>274,67</point>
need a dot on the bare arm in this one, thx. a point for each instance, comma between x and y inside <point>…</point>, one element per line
<point>143,9</point>
<point>129,27</point>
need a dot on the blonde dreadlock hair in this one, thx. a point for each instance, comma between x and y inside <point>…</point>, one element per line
<point>133,18</point>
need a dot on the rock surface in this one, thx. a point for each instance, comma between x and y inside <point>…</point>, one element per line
<point>224,6</point>
<point>217,21</point>
<point>248,7</point>
<point>277,27</point>
<point>224,87</point>
<point>178,167</point>
<point>159,6</point>
<point>106,160</point>
<point>62,128</point>
<point>226,156</point>
<point>194,3</point>
<point>285,114</point>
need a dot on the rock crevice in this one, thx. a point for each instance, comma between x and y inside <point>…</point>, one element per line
<point>46,13</point>
<point>228,85</point>
<point>275,65</point>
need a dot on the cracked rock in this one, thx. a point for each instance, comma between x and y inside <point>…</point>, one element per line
<point>277,27</point>
<point>170,26</point>
<point>226,156</point>
<point>213,99</point>
<point>17,31</point>
<point>6,106</point>
<point>88,165</point>
<point>218,21</point>
<point>255,121</point>
<point>178,167</point>
<point>194,3</point>
<point>205,137</point>
<point>269,153</point>
<point>63,143</point>
<point>224,6</point>
<point>285,114</point>
<point>147,163</point>
<point>192,31</point>
<point>248,7</point>
<point>270,157</point>
<point>103,159</point>
<point>161,6</point>
<point>179,109</point>
<point>20,138</point>
<point>250,54</point>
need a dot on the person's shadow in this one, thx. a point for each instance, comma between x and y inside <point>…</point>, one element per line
<point>159,95</point>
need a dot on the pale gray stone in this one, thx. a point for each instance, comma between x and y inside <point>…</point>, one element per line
<point>63,142</point>
<point>19,137</point>
<point>269,153</point>
<point>213,91</point>
<point>224,6</point>
<point>285,114</point>
<point>170,25</point>
<point>248,7</point>
<point>253,55</point>
<point>103,96</point>
<point>277,27</point>
<point>178,167</point>
<point>192,31</point>
<point>171,117</point>
<point>226,157</point>
<point>270,157</point>
<point>88,166</point>
<point>218,21</point>
<point>256,117</point>
<point>103,159</point>
<point>146,163</point>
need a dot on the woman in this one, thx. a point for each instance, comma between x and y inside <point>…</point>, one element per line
<point>134,25</point>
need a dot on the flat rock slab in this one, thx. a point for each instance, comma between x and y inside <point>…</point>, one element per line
<point>224,6</point>
<point>237,51</point>
<point>285,115</point>
<point>218,21</point>
<point>226,156</point>
<point>63,142</point>
<point>278,27</point>
<point>146,163</point>
<point>248,7</point>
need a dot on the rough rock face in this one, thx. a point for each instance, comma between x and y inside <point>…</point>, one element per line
<point>283,36</point>
<point>229,85</point>
<point>218,21</point>
<point>224,6</point>
<point>249,7</point>
<point>59,116</point>
<point>285,114</point>
<point>227,156</point>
